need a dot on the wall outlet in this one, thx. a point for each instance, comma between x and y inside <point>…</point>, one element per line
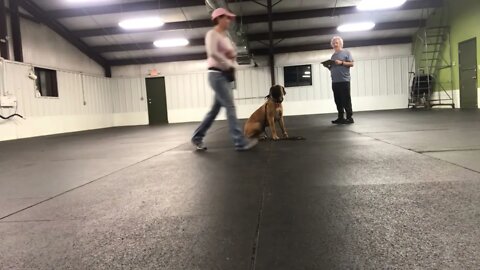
<point>8,101</point>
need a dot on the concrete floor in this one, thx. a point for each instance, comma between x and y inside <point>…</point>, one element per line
<point>398,189</point>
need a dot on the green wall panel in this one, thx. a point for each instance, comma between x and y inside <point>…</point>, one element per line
<point>463,17</point>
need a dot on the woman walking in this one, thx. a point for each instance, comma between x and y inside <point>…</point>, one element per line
<point>221,67</point>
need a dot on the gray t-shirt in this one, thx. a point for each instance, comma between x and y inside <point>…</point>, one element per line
<point>341,73</point>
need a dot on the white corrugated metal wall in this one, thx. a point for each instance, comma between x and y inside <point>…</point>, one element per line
<point>374,77</point>
<point>42,46</point>
<point>189,95</point>
<point>84,102</point>
<point>129,101</point>
<point>376,84</point>
<point>70,101</point>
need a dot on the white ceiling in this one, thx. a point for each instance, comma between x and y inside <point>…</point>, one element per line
<point>90,21</point>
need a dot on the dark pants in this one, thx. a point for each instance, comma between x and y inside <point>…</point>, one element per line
<point>341,92</point>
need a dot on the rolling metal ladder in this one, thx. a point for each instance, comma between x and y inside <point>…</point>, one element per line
<point>427,90</point>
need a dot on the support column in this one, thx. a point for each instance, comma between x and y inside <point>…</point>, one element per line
<point>4,51</point>
<point>108,70</point>
<point>16,34</point>
<point>271,53</point>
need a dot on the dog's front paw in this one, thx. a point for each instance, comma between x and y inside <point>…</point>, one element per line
<point>275,138</point>
<point>285,135</point>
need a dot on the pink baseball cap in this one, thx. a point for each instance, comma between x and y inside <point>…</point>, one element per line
<point>221,11</point>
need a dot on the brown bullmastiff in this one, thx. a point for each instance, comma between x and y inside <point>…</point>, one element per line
<point>267,115</point>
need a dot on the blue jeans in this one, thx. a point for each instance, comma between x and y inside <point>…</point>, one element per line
<point>223,98</point>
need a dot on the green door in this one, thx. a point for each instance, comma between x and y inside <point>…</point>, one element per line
<point>467,60</point>
<point>157,101</point>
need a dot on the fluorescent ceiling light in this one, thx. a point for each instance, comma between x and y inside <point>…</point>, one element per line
<point>354,27</point>
<point>141,23</point>
<point>306,76</point>
<point>307,72</point>
<point>379,4</point>
<point>177,42</point>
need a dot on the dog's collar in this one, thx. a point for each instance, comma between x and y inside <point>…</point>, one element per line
<point>274,100</point>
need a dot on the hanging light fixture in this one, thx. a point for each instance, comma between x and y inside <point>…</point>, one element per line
<point>355,27</point>
<point>379,4</point>
<point>165,43</point>
<point>82,1</point>
<point>141,23</point>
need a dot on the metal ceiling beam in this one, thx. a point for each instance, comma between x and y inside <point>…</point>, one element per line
<point>159,59</point>
<point>329,12</point>
<point>264,36</point>
<point>25,16</point>
<point>166,27</point>
<point>326,46</point>
<point>139,46</point>
<point>39,14</point>
<point>121,8</point>
<point>333,30</point>
<point>298,48</point>
<point>283,16</point>
<point>126,7</point>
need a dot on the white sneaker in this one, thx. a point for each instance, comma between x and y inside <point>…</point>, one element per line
<point>199,146</point>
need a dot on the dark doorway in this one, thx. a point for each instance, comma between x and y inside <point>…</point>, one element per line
<point>157,101</point>
<point>467,60</point>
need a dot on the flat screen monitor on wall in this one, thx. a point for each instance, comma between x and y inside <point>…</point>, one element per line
<point>297,75</point>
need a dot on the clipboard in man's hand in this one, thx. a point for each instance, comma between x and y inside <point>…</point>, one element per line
<point>328,63</point>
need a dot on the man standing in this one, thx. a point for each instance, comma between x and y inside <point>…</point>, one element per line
<point>339,66</point>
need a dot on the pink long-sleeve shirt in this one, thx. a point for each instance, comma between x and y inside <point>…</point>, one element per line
<point>219,48</point>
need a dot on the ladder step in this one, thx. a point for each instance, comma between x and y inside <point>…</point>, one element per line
<point>432,51</point>
<point>438,27</point>
<point>435,31</point>
<point>439,35</point>
<point>444,67</point>
<point>440,100</point>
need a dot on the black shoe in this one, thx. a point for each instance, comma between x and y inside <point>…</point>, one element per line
<point>349,121</point>
<point>338,121</point>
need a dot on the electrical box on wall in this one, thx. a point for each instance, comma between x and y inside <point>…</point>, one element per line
<point>8,101</point>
